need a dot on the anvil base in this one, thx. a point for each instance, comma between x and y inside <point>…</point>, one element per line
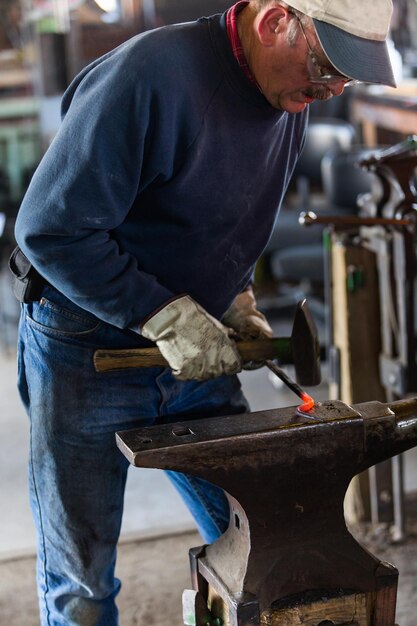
<point>318,607</point>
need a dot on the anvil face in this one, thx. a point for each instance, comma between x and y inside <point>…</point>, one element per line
<point>148,445</point>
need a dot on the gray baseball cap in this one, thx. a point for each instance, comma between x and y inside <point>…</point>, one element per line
<point>353,35</point>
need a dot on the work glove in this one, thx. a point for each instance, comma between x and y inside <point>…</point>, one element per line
<point>245,319</point>
<point>195,344</point>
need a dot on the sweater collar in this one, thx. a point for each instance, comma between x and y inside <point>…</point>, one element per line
<point>235,41</point>
<point>247,89</point>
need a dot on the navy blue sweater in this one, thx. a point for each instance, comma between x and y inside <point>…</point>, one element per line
<point>165,177</point>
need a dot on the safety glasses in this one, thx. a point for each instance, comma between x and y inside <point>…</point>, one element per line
<point>317,74</point>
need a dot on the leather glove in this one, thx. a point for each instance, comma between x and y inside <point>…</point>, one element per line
<point>245,319</point>
<point>195,344</point>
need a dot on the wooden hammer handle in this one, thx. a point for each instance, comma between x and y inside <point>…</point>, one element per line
<point>256,350</point>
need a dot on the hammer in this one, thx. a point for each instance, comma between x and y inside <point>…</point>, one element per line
<point>302,349</point>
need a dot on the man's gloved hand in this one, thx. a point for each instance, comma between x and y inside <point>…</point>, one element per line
<point>195,344</point>
<point>245,319</point>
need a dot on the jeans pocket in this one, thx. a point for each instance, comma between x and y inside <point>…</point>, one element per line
<point>57,318</point>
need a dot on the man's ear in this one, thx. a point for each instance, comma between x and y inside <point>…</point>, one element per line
<point>270,23</point>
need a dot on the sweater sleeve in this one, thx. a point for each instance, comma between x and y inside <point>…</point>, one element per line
<point>83,189</point>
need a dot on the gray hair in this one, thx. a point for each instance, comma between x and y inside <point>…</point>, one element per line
<point>292,30</point>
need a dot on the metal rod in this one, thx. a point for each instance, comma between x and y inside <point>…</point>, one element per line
<point>291,384</point>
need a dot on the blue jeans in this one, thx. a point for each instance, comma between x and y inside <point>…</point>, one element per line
<point>76,473</point>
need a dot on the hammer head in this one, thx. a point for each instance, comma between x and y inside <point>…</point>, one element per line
<point>305,347</point>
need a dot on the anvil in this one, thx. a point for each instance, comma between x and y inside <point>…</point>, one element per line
<point>285,475</point>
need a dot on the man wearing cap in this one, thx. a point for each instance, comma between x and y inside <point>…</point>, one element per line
<point>144,221</point>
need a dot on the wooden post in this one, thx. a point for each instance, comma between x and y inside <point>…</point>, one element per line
<point>354,293</point>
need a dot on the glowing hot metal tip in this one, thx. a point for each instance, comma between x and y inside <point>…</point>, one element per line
<point>308,402</point>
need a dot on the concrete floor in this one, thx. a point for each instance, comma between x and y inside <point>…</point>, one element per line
<point>155,572</point>
<point>157,529</point>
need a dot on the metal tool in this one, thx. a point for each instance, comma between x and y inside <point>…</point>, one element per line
<point>285,475</point>
<point>309,218</point>
<point>308,401</point>
<point>302,349</point>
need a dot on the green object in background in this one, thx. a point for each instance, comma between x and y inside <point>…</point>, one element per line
<point>47,24</point>
<point>355,278</point>
<point>20,142</point>
<point>327,240</point>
